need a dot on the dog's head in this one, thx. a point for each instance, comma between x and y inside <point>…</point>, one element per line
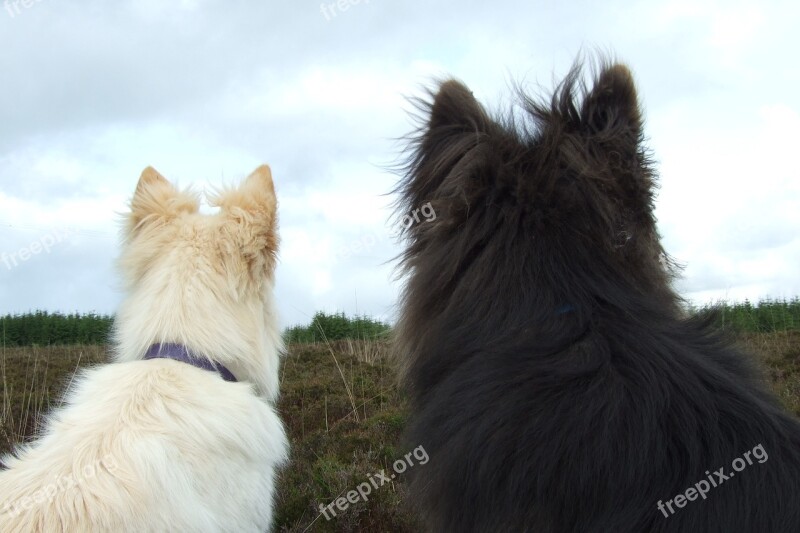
<point>204,281</point>
<point>561,187</point>
<point>538,212</point>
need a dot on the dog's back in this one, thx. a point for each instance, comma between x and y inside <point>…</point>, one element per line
<point>163,444</point>
<point>599,436</point>
<point>149,446</point>
<point>554,379</point>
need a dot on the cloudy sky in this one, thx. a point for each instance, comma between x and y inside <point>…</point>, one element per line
<point>91,92</point>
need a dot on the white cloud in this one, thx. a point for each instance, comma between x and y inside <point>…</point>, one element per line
<point>206,91</point>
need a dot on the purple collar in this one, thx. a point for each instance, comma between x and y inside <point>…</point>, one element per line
<point>179,352</point>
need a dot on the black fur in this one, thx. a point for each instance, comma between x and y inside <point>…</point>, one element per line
<point>555,381</point>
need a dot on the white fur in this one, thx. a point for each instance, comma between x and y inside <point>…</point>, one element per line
<point>160,445</point>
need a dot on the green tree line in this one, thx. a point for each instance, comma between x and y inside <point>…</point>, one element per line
<point>336,326</point>
<point>43,329</point>
<point>766,316</point>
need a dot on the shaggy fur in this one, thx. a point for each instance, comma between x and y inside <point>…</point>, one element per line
<point>159,445</point>
<point>554,380</point>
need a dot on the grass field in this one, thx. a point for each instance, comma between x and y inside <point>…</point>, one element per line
<point>342,409</point>
<point>339,401</point>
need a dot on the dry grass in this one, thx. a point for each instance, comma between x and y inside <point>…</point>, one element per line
<point>344,417</point>
<point>32,380</point>
<point>339,401</point>
<point>342,410</point>
<point>370,352</point>
<point>780,352</point>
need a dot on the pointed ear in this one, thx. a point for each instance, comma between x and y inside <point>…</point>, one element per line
<point>455,106</point>
<point>612,130</point>
<point>260,184</point>
<point>611,108</point>
<point>254,200</point>
<point>252,213</point>
<point>156,198</point>
<point>449,148</point>
<point>149,177</point>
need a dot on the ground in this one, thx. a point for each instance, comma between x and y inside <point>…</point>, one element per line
<point>344,414</point>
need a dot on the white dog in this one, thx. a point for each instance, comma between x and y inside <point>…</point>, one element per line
<point>180,432</point>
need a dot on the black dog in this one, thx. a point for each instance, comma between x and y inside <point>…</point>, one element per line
<point>555,380</point>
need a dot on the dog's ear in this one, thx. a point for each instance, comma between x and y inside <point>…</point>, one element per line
<point>450,150</point>
<point>455,110</point>
<point>612,142</point>
<point>254,202</point>
<point>156,199</point>
<point>610,151</point>
<point>252,213</point>
<point>610,110</point>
